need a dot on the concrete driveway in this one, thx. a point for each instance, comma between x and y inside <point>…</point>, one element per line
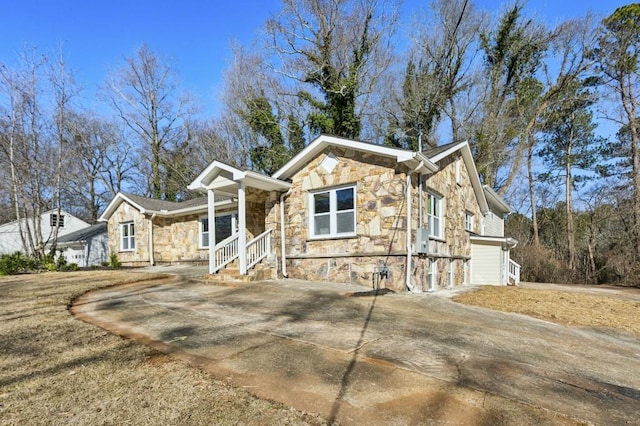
<point>356,357</point>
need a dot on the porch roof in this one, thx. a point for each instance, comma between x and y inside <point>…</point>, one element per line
<point>223,178</point>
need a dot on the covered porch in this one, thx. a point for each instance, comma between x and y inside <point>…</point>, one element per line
<point>253,193</point>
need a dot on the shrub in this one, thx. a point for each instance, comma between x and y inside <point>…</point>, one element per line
<point>61,261</point>
<point>539,264</point>
<point>11,264</point>
<point>113,261</point>
<point>105,263</point>
<point>70,267</point>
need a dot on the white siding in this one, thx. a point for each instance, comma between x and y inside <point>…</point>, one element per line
<point>10,241</point>
<point>493,225</point>
<point>486,264</point>
<point>90,252</point>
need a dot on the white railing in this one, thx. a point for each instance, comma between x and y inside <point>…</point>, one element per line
<point>225,252</point>
<point>258,248</point>
<point>514,272</point>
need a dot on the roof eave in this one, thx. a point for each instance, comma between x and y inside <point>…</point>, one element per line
<point>497,200</point>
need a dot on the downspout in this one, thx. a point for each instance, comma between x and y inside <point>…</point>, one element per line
<point>420,205</point>
<point>282,234</point>
<point>151,260</point>
<point>409,252</point>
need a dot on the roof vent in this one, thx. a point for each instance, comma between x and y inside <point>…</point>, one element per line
<point>329,163</point>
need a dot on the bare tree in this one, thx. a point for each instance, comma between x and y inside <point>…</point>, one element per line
<point>332,53</point>
<point>145,94</point>
<point>617,53</point>
<point>63,90</point>
<point>439,70</point>
<point>24,146</point>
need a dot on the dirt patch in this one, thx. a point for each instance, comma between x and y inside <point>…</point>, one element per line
<point>564,307</point>
<point>55,369</point>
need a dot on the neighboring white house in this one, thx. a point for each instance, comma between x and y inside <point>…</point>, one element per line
<point>10,241</point>
<point>86,247</point>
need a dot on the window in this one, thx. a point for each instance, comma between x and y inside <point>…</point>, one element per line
<point>450,274</point>
<point>333,212</point>
<point>469,222</point>
<point>127,237</point>
<point>226,225</point>
<point>56,220</point>
<point>204,232</point>
<point>434,215</point>
<point>431,274</point>
<point>458,171</point>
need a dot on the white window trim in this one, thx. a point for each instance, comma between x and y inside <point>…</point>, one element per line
<point>450,273</point>
<point>333,221</point>
<point>234,226</point>
<point>439,202</point>
<point>201,232</point>
<point>469,221</point>
<point>432,275</point>
<point>130,237</point>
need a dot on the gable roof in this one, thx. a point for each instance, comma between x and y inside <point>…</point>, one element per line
<point>43,217</point>
<point>147,205</point>
<point>411,158</point>
<point>225,178</point>
<point>439,153</point>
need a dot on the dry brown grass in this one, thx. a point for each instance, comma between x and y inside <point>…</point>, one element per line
<point>563,307</point>
<point>55,369</point>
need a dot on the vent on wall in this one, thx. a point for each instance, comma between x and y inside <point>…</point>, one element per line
<point>329,163</point>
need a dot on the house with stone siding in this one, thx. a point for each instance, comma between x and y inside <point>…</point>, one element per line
<point>341,210</point>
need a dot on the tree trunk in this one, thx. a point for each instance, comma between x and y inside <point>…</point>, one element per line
<point>571,244</point>
<point>532,197</point>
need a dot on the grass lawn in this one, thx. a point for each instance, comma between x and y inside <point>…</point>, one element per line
<point>55,369</point>
<point>563,307</point>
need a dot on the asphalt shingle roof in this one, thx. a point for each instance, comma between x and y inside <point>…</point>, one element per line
<point>159,205</point>
<point>84,233</point>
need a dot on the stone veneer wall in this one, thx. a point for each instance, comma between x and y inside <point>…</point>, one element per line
<point>458,199</point>
<point>127,213</point>
<point>380,218</point>
<point>174,239</point>
<point>380,221</point>
<point>178,239</point>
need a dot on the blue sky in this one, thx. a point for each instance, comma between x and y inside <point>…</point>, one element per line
<point>194,35</point>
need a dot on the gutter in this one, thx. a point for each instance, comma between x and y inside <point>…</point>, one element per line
<point>282,236</point>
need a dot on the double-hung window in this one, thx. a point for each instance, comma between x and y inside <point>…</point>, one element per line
<point>127,237</point>
<point>333,212</point>
<point>434,215</point>
<point>469,222</point>
<point>204,232</point>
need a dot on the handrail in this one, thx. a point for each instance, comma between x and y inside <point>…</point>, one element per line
<point>514,271</point>
<point>258,248</point>
<point>225,252</point>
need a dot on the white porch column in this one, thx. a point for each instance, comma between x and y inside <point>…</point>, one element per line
<point>211,218</point>
<point>242,229</point>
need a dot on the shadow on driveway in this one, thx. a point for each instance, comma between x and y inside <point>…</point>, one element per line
<point>377,357</point>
